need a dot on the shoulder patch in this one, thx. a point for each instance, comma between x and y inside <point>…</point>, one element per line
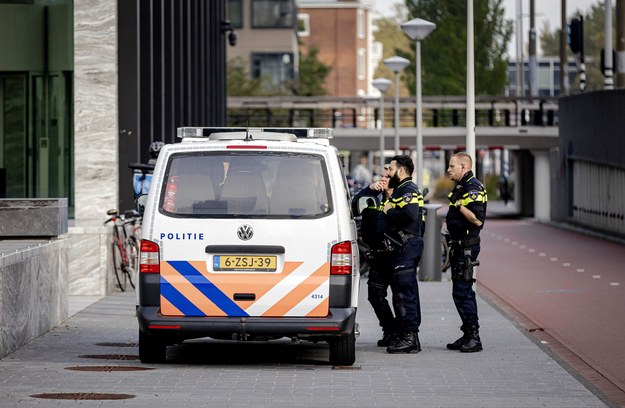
<point>473,195</point>
<point>407,197</point>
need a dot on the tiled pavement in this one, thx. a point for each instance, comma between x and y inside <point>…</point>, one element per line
<point>512,371</point>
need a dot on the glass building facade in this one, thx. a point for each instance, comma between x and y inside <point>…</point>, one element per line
<point>36,99</point>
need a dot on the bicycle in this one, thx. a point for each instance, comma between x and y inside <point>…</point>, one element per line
<point>124,246</point>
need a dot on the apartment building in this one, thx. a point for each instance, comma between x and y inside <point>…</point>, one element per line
<point>341,30</point>
<point>266,39</point>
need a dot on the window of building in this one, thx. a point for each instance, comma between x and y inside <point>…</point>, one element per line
<point>272,14</point>
<point>235,13</point>
<point>275,68</point>
<point>361,23</point>
<point>361,64</point>
<point>303,25</point>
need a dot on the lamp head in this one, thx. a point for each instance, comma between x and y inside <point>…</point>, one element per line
<point>418,29</point>
<point>396,63</point>
<point>381,84</point>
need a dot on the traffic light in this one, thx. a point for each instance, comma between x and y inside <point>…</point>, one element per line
<point>576,35</point>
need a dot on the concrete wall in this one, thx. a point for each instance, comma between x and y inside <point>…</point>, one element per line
<point>33,290</point>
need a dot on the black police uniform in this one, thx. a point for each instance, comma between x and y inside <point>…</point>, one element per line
<point>464,239</point>
<point>380,274</point>
<point>401,227</point>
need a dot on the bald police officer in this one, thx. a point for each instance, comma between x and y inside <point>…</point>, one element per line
<point>465,219</point>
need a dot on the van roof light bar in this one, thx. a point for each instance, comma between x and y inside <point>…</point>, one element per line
<point>205,132</point>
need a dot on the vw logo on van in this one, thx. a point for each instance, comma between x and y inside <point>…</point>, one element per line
<point>245,232</point>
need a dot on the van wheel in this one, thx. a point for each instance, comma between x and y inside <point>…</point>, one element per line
<point>151,350</point>
<point>343,350</point>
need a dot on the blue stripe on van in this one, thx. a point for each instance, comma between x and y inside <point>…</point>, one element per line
<point>208,289</point>
<point>178,300</point>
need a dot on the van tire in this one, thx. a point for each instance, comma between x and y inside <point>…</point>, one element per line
<point>151,351</point>
<point>343,350</point>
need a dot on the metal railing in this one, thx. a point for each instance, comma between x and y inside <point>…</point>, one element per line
<point>363,112</point>
<point>598,196</point>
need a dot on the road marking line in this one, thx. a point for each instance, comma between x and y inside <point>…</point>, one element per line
<point>553,259</point>
<point>596,276</point>
<point>514,243</point>
<point>581,270</point>
<point>542,254</point>
<point>566,264</point>
<point>522,247</point>
<point>531,250</point>
<point>615,284</point>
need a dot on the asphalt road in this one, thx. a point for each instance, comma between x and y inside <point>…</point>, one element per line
<point>567,288</point>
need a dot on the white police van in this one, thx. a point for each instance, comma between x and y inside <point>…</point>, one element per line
<point>248,235</point>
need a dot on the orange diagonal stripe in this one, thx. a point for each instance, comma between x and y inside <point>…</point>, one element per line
<point>300,292</point>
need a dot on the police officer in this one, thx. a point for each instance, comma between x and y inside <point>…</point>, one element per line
<point>380,275</point>
<point>401,224</point>
<point>465,219</point>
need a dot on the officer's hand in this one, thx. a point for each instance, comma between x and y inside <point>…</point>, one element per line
<point>378,185</point>
<point>387,207</point>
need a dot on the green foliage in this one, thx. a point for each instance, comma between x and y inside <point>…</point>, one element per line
<point>491,183</point>
<point>239,81</point>
<point>443,53</point>
<point>442,187</point>
<point>594,19</point>
<point>392,39</point>
<point>312,74</point>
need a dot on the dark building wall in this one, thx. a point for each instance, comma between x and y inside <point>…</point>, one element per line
<point>172,72</point>
<point>592,128</point>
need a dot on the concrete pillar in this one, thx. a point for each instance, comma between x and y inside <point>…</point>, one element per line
<point>542,185</point>
<point>95,145</point>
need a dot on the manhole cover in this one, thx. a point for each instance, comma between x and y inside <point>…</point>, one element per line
<point>109,344</point>
<point>346,367</point>
<point>111,356</point>
<point>82,396</point>
<point>108,368</point>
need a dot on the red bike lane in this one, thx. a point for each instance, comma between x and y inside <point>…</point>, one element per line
<point>569,286</point>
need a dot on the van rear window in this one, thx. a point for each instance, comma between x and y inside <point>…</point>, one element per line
<point>256,184</point>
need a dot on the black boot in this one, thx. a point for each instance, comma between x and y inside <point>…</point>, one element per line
<point>407,343</point>
<point>474,343</point>
<point>387,340</point>
<point>460,342</point>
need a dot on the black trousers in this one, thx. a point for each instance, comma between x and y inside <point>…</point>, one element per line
<point>462,290</point>
<point>380,279</point>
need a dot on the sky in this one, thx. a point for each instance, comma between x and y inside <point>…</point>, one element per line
<point>546,10</point>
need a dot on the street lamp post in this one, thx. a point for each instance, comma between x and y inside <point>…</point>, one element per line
<point>382,85</point>
<point>418,29</point>
<point>396,64</point>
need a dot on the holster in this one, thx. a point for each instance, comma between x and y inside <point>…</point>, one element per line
<point>467,265</point>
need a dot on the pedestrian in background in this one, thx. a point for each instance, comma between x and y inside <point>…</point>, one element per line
<point>465,219</point>
<point>380,275</point>
<point>401,224</point>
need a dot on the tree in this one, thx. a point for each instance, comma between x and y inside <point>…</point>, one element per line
<point>392,38</point>
<point>312,74</point>
<point>239,81</point>
<point>443,53</point>
<point>593,43</point>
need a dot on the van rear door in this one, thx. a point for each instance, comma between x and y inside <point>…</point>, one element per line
<point>246,234</point>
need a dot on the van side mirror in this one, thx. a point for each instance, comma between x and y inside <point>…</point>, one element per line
<point>140,203</point>
<point>364,202</point>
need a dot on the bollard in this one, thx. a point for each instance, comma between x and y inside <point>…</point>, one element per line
<point>430,265</point>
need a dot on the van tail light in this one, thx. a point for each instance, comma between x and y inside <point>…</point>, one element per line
<point>341,263</point>
<point>150,262</point>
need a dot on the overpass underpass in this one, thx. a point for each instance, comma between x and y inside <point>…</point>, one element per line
<point>526,128</point>
<point>530,150</point>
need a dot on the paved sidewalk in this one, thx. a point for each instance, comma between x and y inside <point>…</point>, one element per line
<point>512,371</point>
